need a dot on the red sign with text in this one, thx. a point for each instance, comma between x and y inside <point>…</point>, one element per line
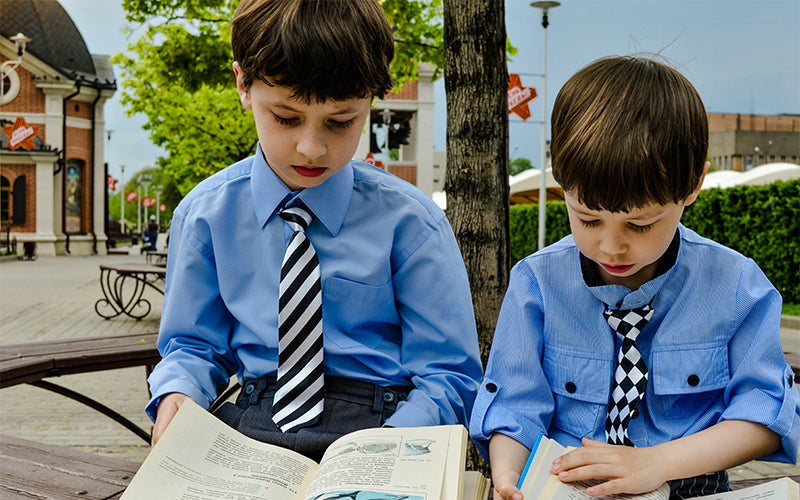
<point>519,97</point>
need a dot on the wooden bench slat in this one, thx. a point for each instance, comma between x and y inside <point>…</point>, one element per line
<point>32,469</point>
<point>23,363</point>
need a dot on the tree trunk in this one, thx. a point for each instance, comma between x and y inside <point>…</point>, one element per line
<point>476,181</point>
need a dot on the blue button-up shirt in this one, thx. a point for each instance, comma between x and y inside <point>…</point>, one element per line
<point>396,303</point>
<point>712,349</point>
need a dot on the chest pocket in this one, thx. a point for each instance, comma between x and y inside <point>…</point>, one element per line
<point>356,314</point>
<point>688,381</point>
<point>580,387</point>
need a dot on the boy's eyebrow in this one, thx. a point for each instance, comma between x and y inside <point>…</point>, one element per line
<point>286,107</point>
<point>652,213</point>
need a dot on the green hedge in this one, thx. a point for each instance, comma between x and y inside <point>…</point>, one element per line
<point>762,222</point>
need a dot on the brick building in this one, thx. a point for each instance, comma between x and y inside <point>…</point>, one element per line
<point>742,141</point>
<point>409,114</point>
<point>52,174</point>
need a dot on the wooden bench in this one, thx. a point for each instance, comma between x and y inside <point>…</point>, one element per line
<point>156,258</point>
<point>30,363</point>
<point>36,470</point>
<point>123,286</point>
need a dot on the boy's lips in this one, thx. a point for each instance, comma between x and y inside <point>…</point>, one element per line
<point>309,171</point>
<point>617,269</point>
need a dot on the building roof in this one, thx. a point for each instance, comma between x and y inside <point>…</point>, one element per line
<point>764,174</point>
<point>55,38</point>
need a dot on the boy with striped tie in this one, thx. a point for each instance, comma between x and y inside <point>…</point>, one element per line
<point>334,291</point>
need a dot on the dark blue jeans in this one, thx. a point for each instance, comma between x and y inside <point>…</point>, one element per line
<point>350,405</point>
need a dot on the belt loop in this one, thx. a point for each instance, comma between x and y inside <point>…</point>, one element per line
<point>377,401</point>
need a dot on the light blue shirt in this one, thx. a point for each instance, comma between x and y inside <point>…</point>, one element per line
<point>396,303</point>
<point>712,349</point>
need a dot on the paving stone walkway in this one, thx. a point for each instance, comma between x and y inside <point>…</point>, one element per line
<point>53,298</point>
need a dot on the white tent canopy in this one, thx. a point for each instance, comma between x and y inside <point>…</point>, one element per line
<point>528,180</point>
<point>764,174</point>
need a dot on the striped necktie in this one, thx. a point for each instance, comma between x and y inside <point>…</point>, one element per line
<point>630,377</point>
<point>298,397</point>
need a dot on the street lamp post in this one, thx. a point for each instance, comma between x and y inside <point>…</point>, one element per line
<point>123,200</point>
<point>145,181</point>
<point>545,6</point>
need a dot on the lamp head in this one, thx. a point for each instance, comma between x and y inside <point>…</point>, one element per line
<point>20,41</point>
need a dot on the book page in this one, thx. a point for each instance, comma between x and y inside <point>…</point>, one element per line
<point>453,485</point>
<point>556,490</point>
<point>200,458</point>
<point>540,483</point>
<point>779,489</point>
<point>396,463</point>
<point>476,486</point>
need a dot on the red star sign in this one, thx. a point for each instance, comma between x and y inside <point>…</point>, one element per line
<point>21,134</point>
<point>519,97</point>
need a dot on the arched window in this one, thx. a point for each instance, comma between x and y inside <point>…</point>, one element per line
<point>5,200</point>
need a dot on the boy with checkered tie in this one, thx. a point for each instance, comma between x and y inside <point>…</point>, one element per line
<point>653,350</point>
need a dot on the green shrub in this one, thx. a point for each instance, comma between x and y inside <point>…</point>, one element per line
<point>523,222</point>
<point>761,222</point>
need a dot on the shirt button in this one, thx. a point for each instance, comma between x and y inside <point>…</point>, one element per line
<point>570,387</point>
<point>693,380</point>
<point>491,387</point>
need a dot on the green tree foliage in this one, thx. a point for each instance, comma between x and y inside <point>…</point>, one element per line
<point>518,165</point>
<point>178,74</point>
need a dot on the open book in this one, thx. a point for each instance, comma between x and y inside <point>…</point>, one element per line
<point>200,458</point>
<point>538,482</point>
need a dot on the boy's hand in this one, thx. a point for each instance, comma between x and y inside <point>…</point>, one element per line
<point>505,486</point>
<point>626,469</point>
<point>167,408</point>
<point>508,457</point>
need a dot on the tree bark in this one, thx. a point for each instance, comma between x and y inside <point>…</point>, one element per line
<point>476,181</point>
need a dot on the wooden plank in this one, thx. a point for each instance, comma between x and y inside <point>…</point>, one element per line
<point>36,470</point>
<point>20,371</point>
<point>29,362</point>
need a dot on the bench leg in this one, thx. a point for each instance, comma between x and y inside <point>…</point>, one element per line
<point>91,403</point>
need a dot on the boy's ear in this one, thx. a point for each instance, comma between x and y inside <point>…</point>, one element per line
<point>690,199</point>
<point>244,92</point>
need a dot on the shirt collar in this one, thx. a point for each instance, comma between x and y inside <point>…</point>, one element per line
<point>328,202</point>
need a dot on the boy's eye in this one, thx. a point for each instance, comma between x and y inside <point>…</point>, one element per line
<point>342,124</point>
<point>284,121</point>
<point>640,229</point>
<point>589,223</point>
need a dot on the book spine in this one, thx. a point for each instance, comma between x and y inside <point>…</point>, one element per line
<point>530,460</point>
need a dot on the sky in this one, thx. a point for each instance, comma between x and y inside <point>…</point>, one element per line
<point>743,56</point>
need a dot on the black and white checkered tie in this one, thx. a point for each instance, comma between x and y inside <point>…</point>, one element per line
<point>630,377</point>
<point>298,397</point>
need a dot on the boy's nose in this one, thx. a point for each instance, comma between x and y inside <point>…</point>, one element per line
<point>311,145</point>
<point>613,244</point>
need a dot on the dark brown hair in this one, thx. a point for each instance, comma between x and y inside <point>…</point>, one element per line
<point>320,49</point>
<point>628,132</point>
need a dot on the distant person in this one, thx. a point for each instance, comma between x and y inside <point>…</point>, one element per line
<point>152,230</point>
<point>372,297</point>
<point>653,350</point>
